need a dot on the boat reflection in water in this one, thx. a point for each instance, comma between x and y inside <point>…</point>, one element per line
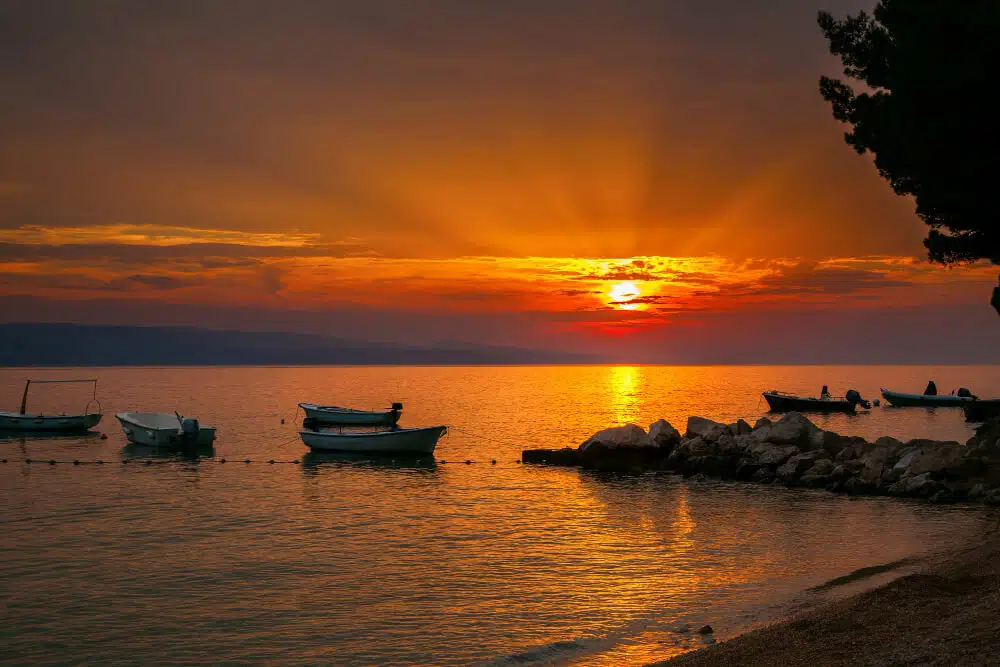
<point>317,459</point>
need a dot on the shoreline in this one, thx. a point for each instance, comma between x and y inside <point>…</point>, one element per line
<point>944,613</point>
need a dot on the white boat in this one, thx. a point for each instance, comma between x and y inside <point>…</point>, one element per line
<point>62,423</point>
<point>899,399</point>
<point>392,441</point>
<point>332,414</point>
<point>158,429</point>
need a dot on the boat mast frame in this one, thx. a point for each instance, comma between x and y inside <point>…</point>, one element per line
<point>93,399</point>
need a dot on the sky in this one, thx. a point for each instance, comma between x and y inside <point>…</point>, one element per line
<point>650,181</point>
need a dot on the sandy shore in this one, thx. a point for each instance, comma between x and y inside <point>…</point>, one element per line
<point>947,613</point>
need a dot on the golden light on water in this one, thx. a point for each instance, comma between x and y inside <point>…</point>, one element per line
<point>622,293</point>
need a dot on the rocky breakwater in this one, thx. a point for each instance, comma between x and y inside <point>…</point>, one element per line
<point>793,451</point>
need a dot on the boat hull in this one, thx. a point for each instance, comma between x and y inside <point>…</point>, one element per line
<point>785,403</point>
<point>395,441</point>
<point>14,421</point>
<point>901,400</point>
<point>331,414</point>
<point>139,431</point>
<point>982,410</point>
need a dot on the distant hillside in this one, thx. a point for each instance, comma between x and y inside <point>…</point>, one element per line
<point>88,345</point>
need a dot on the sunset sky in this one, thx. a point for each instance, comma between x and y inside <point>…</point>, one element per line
<point>652,180</point>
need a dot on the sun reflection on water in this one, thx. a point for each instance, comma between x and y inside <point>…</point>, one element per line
<point>625,387</point>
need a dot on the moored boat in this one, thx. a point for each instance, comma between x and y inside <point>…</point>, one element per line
<point>40,422</point>
<point>159,429</point>
<point>900,399</point>
<point>783,402</point>
<point>332,414</point>
<point>390,441</point>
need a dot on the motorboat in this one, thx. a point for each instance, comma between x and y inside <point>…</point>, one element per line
<point>388,441</point>
<point>780,401</point>
<point>54,423</point>
<point>332,414</point>
<point>899,399</point>
<point>159,429</point>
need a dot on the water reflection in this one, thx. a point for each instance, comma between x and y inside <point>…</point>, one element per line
<point>313,462</point>
<point>134,451</point>
<point>624,386</point>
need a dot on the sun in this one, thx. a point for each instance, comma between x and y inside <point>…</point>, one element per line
<point>622,293</point>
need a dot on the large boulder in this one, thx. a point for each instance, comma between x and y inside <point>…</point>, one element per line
<point>940,459</point>
<point>795,429</point>
<point>663,435</point>
<point>616,437</point>
<point>918,486</point>
<point>740,427</point>
<point>700,427</point>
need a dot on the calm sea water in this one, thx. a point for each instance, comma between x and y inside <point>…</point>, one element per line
<point>438,562</point>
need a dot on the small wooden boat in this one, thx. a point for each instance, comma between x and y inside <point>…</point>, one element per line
<point>158,429</point>
<point>779,401</point>
<point>39,422</point>
<point>982,410</point>
<point>899,399</point>
<point>332,414</point>
<point>390,441</point>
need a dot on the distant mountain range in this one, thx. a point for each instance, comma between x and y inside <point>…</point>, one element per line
<point>90,345</point>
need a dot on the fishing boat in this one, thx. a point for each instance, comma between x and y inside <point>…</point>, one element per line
<point>389,441</point>
<point>981,410</point>
<point>332,414</point>
<point>780,401</point>
<point>899,399</point>
<point>159,429</point>
<point>61,423</point>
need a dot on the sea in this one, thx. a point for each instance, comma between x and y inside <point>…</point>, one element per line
<point>262,553</point>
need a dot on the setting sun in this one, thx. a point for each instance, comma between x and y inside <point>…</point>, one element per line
<point>622,293</point>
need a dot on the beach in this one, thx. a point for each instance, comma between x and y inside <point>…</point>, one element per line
<point>944,614</point>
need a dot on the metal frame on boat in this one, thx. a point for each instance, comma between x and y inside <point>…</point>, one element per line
<point>39,422</point>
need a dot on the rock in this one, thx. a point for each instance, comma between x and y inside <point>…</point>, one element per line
<point>706,429</point>
<point>815,481</point>
<point>762,422</point>
<point>629,435</point>
<point>705,630</point>
<point>773,455</point>
<point>741,427</point>
<point>919,486</point>
<point>796,465</point>
<point>793,429</point>
<point>976,492</point>
<point>663,435</point>
<point>941,459</point>
<point>763,475</point>
<point>992,497</point>
<point>746,469</point>
<point>821,467</point>
<point>567,456</point>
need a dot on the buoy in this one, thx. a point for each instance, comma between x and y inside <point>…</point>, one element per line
<point>443,461</point>
<point>282,420</point>
<point>52,462</point>
<point>27,460</point>
<point>100,462</point>
<point>247,461</point>
<point>296,461</point>
<point>222,460</point>
<point>5,460</point>
<point>148,463</point>
<point>124,461</point>
<point>75,462</point>
<point>493,462</point>
<point>104,436</point>
<point>271,461</point>
<point>467,461</point>
<point>705,630</point>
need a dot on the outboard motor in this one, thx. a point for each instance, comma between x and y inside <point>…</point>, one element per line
<point>189,432</point>
<point>854,397</point>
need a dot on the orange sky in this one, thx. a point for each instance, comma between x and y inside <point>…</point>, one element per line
<point>607,168</point>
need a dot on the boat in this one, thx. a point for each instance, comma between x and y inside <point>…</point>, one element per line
<point>332,414</point>
<point>982,410</point>
<point>61,423</point>
<point>899,399</point>
<point>159,429</point>
<point>780,401</point>
<point>389,441</point>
